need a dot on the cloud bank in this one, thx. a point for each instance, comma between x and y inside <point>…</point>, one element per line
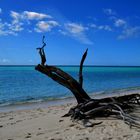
<point>38,22</point>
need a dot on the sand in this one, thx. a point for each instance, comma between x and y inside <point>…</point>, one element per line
<point>48,124</point>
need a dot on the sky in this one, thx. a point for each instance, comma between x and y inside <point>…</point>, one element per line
<point>110,29</point>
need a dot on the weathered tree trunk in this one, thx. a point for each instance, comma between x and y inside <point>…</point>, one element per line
<point>66,80</point>
<point>87,107</point>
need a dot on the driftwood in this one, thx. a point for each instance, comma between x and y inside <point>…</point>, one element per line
<point>88,108</point>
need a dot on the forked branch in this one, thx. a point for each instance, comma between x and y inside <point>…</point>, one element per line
<point>88,108</point>
<point>41,52</point>
<point>62,77</point>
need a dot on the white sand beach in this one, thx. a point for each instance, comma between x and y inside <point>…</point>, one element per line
<point>48,124</point>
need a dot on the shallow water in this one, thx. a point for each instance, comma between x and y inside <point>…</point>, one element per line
<point>20,84</point>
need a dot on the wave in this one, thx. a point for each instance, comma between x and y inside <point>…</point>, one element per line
<point>32,100</point>
<point>116,92</point>
<point>96,95</point>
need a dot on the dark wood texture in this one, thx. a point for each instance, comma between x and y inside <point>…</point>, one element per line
<point>86,107</point>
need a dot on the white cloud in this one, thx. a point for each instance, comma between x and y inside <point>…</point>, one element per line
<point>53,23</point>
<point>1,26</point>
<point>130,32</point>
<point>113,16</point>
<point>5,29</point>
<point>105,27</point>
<point>16,16</point>
<point>120,22</point>
<point>12,27</point>
<point>2,32</point>
<point>28,15</point>
<point>109,12</point>
<point>75,28</point>
<point>101,27</point>
<point>0,10</point>
<point>34,15</point>
<point>124,28</point>
<point>16,24</point>
<point>62,32</point>
<point>22,20</point>
<point>25,17</point>
<point>77,31</point>
<point>93,25</point>
<point>45,26</point>
<point>16,27</point>
<point>4,60</point>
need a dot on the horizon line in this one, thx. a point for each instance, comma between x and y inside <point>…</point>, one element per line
<point>77,65</point>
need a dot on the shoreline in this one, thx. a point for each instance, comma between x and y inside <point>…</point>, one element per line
<point>48,124</point>
<point>63,101</point>
<point>36,105</point>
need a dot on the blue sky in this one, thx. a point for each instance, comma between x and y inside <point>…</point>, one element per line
<point>110,29</point>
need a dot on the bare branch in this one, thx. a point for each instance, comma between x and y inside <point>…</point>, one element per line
<point>41,52</point>
<point>88,108</point>
<point>81,68</point>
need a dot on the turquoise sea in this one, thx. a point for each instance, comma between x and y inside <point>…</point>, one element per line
<point>21,84</point>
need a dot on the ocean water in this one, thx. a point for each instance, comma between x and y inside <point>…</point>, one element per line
<point>20,84</point>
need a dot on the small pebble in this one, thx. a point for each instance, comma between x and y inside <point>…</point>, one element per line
<point>11,118</point>
<point>57,133</point>
<point>28,136</point>
<point>61,120</point>
<point>71,125</point>
<point>39,134</point>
